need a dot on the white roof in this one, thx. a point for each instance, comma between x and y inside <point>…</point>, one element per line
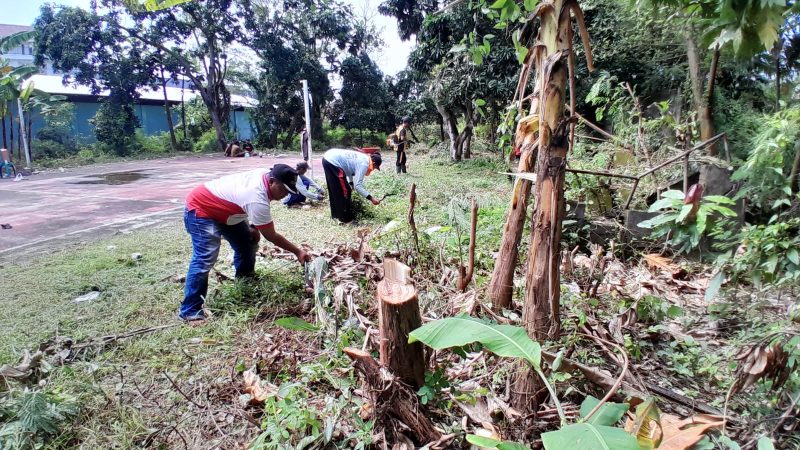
<point>53,84</point>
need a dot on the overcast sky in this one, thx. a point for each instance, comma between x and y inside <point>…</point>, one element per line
<point>391,59</point>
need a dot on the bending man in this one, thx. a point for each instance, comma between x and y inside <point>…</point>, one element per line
<point>222,208</point>
<point>304,186</point>
<point>345,170</point>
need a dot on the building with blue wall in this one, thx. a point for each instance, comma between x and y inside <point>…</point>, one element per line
<point>149,108</point>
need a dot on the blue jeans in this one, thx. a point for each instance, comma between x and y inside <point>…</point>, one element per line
<point>207,236</point>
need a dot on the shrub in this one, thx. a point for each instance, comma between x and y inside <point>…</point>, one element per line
<point>115,127</point>
<point>207,142</point>
<point>687,217</point>
<point>155,144</point>
<point>51,149</point>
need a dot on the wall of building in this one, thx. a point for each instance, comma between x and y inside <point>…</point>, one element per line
<point>153,121</point>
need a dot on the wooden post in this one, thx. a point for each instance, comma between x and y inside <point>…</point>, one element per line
<point>465,276</point>
<point>393,400</point>
<point>398,316</point>
<point>412,202</point>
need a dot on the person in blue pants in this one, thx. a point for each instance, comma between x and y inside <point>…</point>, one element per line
<point>237,208</point>
<point>304,188</point>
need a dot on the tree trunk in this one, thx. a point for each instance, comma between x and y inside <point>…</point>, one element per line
<point>11,134</point>
<point>776,54</point>
<point>392,400</point>
<point>216,121</point>
<point>703,106</point>
<point>493,119</point>
<point>172,139</point>
<point>183,107</point>
<point>501,286</point>
<point>399,315</point>
<point>451,127</point>
<point>441,127</point>
<point>693,61</point>
<point>297,120</point>
<point>465,276</point>
<point>707,128</point>
<point>23,134</point>
<point>466,133</point>
<point>412,203</point>
<point>540,314</point>
<point>5,143</point>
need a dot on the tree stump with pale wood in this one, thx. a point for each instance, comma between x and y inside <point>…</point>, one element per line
<point>398,316</point>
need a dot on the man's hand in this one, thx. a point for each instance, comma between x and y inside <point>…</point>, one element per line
<point>375,201</point>
<point>255,235</point>
<point>302,256</point>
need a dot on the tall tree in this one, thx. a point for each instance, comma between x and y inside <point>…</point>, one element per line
<point>297,40</point>
<point>748,27</point>
<point>194,35</point>
<point>471,68</point>
<point>365,102</point>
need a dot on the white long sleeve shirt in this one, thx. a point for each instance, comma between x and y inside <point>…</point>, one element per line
<point>301,188</point>
<point>354,164</point>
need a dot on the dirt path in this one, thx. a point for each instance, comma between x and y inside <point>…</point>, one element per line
<point>49,211</point>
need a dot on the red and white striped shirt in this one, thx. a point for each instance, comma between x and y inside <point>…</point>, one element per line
<point>233,199</point>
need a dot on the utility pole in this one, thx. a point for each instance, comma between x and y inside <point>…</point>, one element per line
<point>24,135</point>
<point>307,103</point>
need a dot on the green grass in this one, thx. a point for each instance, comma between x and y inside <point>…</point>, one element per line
<point>125,397</point>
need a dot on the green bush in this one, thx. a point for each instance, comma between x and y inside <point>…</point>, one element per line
<point>115,127</point>
<point>767,255</point>
<point>51,149</point>
<point>343,138</point>
<point>206,143</point>
<point>154,144</point>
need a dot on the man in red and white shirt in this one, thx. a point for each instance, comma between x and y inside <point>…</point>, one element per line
<point>235,207</point>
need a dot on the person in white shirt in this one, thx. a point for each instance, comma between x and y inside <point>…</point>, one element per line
<point>234,207</point>
<point>345,170</point>
<point>304,188</point>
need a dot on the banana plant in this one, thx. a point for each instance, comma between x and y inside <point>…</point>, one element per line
<point>12,81</point>
<point>594,430</point>
<point>503,340</point>
<point>13,88</point>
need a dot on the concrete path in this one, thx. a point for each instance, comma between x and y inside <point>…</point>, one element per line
<point>53,209</point>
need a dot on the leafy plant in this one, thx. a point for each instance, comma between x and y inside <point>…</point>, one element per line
<point>595,431</point>
<point>771,168</point>
<point>434,383</point>
<point>32,417</point>
<point>503,340</point>
<point>287,419</point>
<point>765,254</point>
<point>685,219</point>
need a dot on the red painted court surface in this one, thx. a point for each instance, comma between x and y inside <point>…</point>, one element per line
<point>51,209</point>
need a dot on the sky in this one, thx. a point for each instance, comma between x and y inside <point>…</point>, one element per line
<point>391,59</point>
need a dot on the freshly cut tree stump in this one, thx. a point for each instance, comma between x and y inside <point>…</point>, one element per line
<point>391,398</point>
<point>398,316</point>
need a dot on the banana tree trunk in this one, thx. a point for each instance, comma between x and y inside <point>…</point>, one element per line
<point>23,134</point>
<point>540,314</point>
<point>501,285</point>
